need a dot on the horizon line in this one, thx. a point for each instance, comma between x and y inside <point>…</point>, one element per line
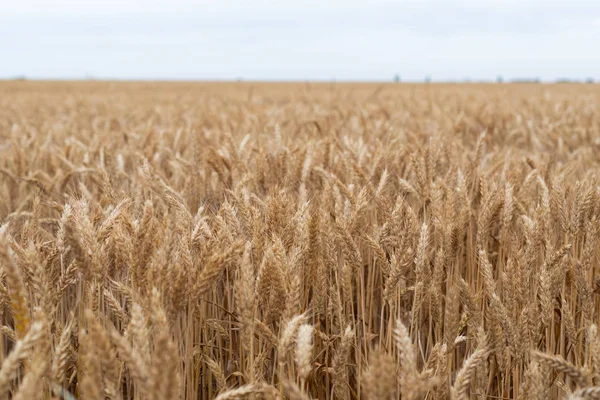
<point>427,80</point>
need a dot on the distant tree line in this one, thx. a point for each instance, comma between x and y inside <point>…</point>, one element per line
<point>500,79</point>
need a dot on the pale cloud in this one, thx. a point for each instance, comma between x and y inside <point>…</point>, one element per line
<point>300,40</point>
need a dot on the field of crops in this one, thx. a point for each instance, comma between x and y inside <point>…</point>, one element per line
<point>299,241</point>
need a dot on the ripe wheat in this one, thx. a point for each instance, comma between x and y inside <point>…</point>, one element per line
<point>290,241</point>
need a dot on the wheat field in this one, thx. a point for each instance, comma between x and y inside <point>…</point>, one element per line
<point>299,241</point>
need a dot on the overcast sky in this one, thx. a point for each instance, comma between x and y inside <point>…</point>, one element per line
<point>300,40</point>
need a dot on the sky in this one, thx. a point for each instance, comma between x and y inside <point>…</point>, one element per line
<point>300,40</point>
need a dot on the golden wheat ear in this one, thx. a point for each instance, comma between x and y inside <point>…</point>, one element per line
<point>17,292</point>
